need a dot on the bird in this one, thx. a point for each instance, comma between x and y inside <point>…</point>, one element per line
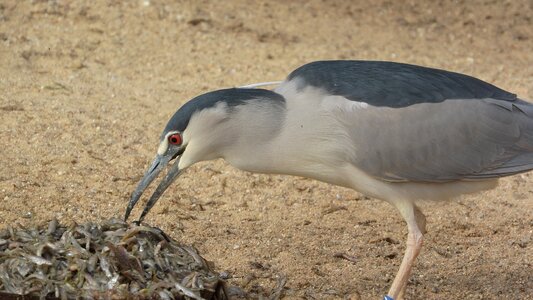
<point>393,131</point>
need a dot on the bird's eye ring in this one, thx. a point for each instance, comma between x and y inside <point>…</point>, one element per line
<point>175,139</point>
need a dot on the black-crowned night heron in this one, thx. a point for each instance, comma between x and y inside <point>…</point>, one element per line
<point>392,131</point>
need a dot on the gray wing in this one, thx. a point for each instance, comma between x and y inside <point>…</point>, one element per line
<point>450,140</point>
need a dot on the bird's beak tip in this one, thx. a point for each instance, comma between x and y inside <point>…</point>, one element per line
<point>157,165</point>
<point>172,174</point>
<point>155,168</point>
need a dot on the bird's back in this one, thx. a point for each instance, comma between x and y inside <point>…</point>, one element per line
<point>390,84</point>
<point>420,124</point>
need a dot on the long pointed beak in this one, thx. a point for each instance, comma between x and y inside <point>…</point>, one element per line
<point>172,174</point>
<point>155,168</point>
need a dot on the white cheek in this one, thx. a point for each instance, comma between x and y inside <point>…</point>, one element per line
<point>163,147</point>
<point>190,156</point>
<point>185,161</point>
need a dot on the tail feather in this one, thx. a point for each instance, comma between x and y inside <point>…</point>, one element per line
<point>518,164</point>
<point>526,125</point>
<point>520,154</point>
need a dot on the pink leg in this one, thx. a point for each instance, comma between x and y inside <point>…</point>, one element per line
<point>416,227</point>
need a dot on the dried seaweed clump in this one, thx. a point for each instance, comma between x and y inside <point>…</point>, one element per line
<point>112,260</point>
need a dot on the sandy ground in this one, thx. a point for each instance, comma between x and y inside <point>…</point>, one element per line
<point>85,91</point>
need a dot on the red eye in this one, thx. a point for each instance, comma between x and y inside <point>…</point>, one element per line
<point>175,139</point>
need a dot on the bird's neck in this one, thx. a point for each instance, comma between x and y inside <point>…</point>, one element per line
<point>303,145</point>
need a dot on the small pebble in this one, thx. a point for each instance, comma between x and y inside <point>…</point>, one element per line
<point>224,275</point>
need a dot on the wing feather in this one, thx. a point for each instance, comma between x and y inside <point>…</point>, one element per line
<point>446,141</point>
<point>424,124</point>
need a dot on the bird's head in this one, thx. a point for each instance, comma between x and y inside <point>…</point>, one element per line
<point>205,128</point>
